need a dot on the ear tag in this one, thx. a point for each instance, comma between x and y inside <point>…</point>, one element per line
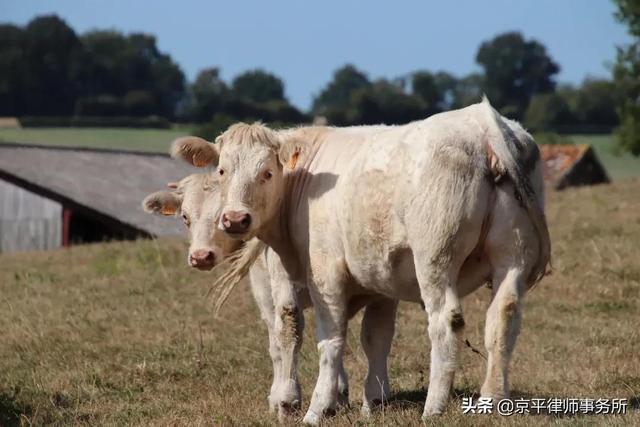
<point>293,160</point>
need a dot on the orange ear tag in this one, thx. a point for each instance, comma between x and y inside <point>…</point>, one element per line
<point>293,160</point>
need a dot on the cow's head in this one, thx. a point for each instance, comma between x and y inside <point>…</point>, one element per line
<point>250,160</point>
<point>196,199</point>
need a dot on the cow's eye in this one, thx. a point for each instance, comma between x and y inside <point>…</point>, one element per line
<point>221,171</point>
<point>186,220</point>
<point>266,175</point>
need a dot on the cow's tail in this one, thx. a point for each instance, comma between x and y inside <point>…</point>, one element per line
<point>239,264</point>
<point>513,157</point>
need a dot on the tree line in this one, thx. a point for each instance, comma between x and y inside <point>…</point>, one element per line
<point>47,70</point>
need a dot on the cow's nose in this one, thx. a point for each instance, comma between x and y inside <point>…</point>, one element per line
<point>202,258</point>
<point>236,222</point>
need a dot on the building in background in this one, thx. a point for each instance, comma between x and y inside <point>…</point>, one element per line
<point>52,197</point>
<point>571,165</point>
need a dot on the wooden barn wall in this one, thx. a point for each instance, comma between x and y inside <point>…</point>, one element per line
<point>28,221</point>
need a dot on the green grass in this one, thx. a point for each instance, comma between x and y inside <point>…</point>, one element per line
<point>121,334</point>
<point>151,140</point>
<point>619,166</point>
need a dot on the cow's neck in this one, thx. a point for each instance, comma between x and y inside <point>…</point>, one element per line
<point>296,175</point>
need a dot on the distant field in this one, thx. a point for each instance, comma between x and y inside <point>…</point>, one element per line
<point>155,140</point>
<point>618,166</point>
<point>152,140</point>
<point>122,334</point>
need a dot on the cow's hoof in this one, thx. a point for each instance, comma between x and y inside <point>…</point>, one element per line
<point>287,410</point>
<point>365,410</point>
<point>273,404</point>
<point>368,407</point>
<point>311,419</point>
<point>495,393</point>
<point>343,398</point>
<point>432,411</point>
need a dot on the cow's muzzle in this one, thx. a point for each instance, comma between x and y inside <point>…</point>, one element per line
<point>236,222</point>
<point>202,259</point>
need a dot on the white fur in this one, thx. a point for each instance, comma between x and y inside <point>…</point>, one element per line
<point>196,197</point>
<point>362,207</point>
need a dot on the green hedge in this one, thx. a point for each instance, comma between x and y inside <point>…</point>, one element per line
<point>91,121</point>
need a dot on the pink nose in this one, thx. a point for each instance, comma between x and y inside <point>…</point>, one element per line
<point>202,258</point>
<point>236,222</point>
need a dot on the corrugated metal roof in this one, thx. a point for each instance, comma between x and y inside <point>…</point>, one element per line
<point>112,183</point>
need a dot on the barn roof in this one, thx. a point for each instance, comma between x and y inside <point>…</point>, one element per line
<point>107,183</point>
<point>566,165</point>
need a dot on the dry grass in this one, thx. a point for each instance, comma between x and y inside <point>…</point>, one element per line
<point>120,334</point>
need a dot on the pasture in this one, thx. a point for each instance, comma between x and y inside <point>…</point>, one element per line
<point>151,140</point>
<point>122,334</point>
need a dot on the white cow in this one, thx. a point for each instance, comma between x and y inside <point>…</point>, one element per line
<point>196,199</point>
<point>398,212</point>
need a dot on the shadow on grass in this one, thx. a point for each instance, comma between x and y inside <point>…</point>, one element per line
<point>11,410</point>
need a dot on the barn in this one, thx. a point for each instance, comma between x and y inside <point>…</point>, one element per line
<point>54,196</point>
<point>571,165</point>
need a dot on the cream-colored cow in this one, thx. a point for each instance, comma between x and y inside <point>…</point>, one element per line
<point>196,199</point>
<point>399,212</point>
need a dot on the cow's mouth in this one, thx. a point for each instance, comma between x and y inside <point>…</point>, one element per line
<point>202,267</point>
<point>237,235</point>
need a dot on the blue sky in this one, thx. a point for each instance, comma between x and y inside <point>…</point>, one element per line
<point>304,42</point>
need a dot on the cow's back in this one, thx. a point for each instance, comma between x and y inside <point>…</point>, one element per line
<point>363,186</point>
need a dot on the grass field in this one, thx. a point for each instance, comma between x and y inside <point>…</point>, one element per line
<point>121,334</point>
<point>619,166</point>
<point>152,140</point>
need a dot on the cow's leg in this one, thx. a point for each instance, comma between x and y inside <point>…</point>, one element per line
<point>376,335</point>
<point>438,259</point>
<point>261,290</point>
<point>501,330</point>
<point>331,327</point>
<point>288,330</point>
<point>343,386</point>
<point>446,325</point>
<point>513,250</point>
<point>304,302</point>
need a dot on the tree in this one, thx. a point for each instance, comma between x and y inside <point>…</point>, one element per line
<point>626,74</point>
<point>514,70</point>
<point>208,95</point>
<point>116,64</point>
<point>548,111</point>
<point>383,103</point>
<point>337,95</point>
<point>467,90</point>
<point>12,69</point>
<point>595,103</point>
<point>258,86</point>
<point>52,53</point>
<point>425,88</point>
<point>446,86</point>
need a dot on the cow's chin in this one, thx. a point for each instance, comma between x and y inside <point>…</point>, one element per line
<point>244,236</point>
<point>207,267</point>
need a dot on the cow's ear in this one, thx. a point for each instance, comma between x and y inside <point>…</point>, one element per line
<point>289,152</point>
<point>195,151</point>
<point>162,203</point>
